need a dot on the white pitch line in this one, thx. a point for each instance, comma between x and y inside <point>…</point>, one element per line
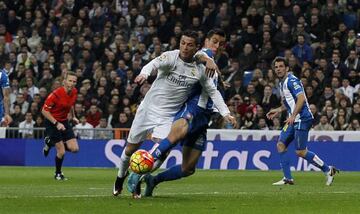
<point>161,194</point>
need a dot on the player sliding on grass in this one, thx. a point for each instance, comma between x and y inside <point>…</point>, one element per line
<point>177,74</point>
<point>189,127</point>
<point>297,124</point>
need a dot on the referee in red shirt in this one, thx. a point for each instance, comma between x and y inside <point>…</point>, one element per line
<point>58,131</point>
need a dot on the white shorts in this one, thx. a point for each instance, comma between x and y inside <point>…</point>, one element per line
<point>146,123</point>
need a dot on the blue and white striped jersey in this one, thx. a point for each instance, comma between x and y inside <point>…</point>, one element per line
<point>200,96</point>
<point>4,83</point>
<point>290,88</point>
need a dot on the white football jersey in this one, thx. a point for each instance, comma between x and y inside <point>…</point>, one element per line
<point>174,83</point>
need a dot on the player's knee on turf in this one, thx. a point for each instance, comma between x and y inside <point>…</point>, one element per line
<point>301,153</point>
<point>280,147</point>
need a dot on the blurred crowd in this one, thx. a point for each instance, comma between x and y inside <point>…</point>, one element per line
<point>106,43</point>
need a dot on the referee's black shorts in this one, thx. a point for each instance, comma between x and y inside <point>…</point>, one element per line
<point>56,135</point>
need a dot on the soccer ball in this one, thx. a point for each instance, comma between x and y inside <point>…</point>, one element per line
<point>141,162</point>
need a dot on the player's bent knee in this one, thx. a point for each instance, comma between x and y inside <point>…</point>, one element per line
<point>280,147</point>
<point>74,149</point>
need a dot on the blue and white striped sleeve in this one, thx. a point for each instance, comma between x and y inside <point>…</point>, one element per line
<point>295,87</point>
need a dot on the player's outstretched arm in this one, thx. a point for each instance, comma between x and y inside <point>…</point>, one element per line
<point>161,63</point>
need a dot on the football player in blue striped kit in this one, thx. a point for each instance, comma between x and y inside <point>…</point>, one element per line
<point>297,125</point>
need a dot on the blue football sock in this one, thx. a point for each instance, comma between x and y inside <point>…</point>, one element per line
<point>316,161</point>
<point>164,146</point>
<point>285,164</point>
<point>173,173</point>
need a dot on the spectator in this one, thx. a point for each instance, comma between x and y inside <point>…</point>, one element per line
<point>20,100</point>
<point>123,121</point>
<point>103,130</point>
<point>269,99</point>
<point>354,125</point>
<point>315,113</point>
<point>347,89</point>
<point>39,124</point>
<point>26,126</point>
<point>324,125</point>
<point>340,123</point>
<point>93,116</point>
<point>84,130</point>
<point>302,51</point>
<point>276,124</point>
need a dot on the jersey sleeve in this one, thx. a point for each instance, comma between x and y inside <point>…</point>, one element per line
<point>49,102</point>
<point>204,51</point>
<point>161,62</point>
<point>295,87</point>
<point>210,87</point>
<point>5,83</point>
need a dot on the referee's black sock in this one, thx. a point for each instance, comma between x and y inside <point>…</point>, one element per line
<point>58,164</point>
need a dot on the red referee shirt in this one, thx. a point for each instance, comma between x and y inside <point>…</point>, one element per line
<point>59,103</point>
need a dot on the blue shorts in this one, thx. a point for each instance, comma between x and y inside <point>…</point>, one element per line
<point>298,131</point>
<point>198,120</point>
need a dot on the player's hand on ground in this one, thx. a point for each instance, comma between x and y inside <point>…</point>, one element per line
<point>60,126</point>
<point>290,120</point>
<point>211,68</point>
<point>230,119</point>
<point>140,79</point>
<point>272,113</point>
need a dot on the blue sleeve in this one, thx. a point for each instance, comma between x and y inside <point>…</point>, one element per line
<point>295,87</point>
<point>4,80</point>
<point>208,52</point>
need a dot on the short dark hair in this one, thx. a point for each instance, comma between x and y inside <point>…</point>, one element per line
<point>192,34</point>
<point>216,31</point>
<point>279,59</point>
<point>70,73</point>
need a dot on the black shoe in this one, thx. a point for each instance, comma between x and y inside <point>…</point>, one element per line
<point>47,146</point>
<point>60,177</point>
<point>118,186</point>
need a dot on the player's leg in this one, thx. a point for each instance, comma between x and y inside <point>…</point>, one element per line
<point>141,126</point>
<point>69,138</point>
<point>286,136</point>
<point>49,141</point>
<point>178,131</point>
<point>192,149</point>
<point>301,139</point>
<point>59,158</point>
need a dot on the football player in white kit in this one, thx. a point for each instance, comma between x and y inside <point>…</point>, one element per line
<point>177,73</point>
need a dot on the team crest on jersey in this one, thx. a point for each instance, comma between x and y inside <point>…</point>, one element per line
<point>162,57</point>
<point>296,86</point>
<point>193,72</point>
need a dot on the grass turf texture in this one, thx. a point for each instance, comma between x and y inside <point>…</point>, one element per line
<point>34,190</point>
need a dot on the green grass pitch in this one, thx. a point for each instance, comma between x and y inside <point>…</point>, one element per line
<point>88,190</point>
